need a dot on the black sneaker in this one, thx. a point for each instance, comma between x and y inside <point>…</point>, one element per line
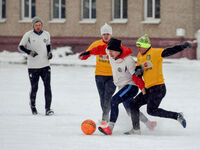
<point>34,111</point>
<point>49,112</point>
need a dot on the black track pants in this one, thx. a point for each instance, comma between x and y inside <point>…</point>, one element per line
<point>153,99</point>
<point>106,89</point>
<point>34,75</point>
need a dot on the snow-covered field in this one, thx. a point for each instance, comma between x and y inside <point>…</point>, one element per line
<point>75,99</point>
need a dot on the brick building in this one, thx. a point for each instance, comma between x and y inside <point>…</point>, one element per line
<point>77,22</point>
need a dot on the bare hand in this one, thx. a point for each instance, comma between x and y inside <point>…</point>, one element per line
<point>143,91</point>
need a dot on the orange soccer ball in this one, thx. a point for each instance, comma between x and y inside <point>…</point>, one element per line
<point>88,127</point>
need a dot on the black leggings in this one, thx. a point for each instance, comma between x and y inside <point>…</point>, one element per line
<point>106,89</point>
<point>45,74</point>
<point>153,99</point>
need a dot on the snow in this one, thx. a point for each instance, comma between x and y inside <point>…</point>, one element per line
<point>75,98</point>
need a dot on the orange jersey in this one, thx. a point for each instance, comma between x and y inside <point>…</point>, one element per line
<point>103,67</point>
<point>151,62</point>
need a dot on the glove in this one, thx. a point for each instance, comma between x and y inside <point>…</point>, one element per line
<point>84,55</point>
<point>33,53</point>
<point>138,71</point>
<point>187,45</point>
<point>49,55</point>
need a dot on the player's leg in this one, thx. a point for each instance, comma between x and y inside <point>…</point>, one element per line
<point>34,79</point>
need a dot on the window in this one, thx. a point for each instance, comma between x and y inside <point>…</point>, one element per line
<point>58,9</point>
<point>2,9</point>
<point>28,9</point>
<point>119,10</point>
<point>88,12</point>
<point>152,11</point>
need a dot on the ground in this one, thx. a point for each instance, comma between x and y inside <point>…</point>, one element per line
<point>75,99</point>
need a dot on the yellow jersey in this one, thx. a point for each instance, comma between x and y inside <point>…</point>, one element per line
<point>103,67</point>
<point>151,62</point>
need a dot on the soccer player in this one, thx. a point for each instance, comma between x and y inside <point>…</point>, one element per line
<point>103,73</point>
<point>36,43</point>
<point>149,66</point>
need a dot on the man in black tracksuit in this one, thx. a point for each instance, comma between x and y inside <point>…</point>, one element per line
<point>149,66</point>
<point>36,43</point>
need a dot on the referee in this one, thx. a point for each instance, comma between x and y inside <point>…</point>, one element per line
<point>36,43</point>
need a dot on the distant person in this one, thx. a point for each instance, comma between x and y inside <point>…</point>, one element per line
<point>123,68</point>
<point>149,66</point>
<point>36,43</point>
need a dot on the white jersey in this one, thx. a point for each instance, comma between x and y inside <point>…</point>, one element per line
<point>38,43</point>
<point>123,70</point>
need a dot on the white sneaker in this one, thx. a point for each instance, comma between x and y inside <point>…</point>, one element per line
<point>133,131</point>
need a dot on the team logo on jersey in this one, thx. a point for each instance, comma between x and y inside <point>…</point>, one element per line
<point>119,69</point>
<point>45,40</point>
<point>103,57</point>
<point>147,65</point>
<point>148,57</point>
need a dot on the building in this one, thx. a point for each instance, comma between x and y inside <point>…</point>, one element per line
<point>77,22</point>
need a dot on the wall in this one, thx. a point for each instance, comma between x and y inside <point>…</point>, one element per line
<point>174,14</point>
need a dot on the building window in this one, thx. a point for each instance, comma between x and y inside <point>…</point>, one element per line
<point>28,9</point>
<point>152,11</point>
<point>58,9</point>
<point>88,10</point>
<point>119,10</point>
<point>2,9</point>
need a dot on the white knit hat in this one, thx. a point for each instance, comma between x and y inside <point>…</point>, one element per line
<point>106,29</point>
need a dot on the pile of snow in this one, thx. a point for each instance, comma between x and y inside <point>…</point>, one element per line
<point>12,57</point>
<point>61,56</point>
<point>65,56</point>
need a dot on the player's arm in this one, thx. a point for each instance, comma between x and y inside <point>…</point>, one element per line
<point>48,46</point>
<point>99,50</point>
<point>175,49</point>
<point>23,49</point>
<point>25,39</point>
<point>49,53</point>
<point>84,57</point>
<point>136,77</point>
<point>138,81</point>
<point>27,51</point>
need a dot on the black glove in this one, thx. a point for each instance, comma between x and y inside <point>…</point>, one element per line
<point>187,45</point>
<point>138,71</point>
<point>49,55</point>
<point>85,53</point>
<point>33,53</point>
